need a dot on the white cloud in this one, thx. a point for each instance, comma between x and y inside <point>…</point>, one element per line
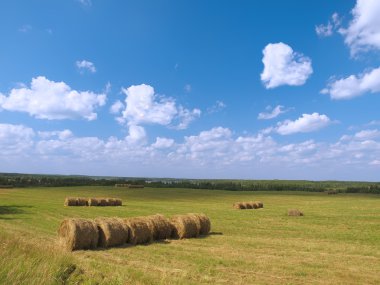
<point>324,30</point>
<point>328,29</point>
<point>354,86</point>
<point>278,110</point>
<point>15,139</point>
<point>116,107</point>
<point>367,134</point>
<point>283,66</point>
<point>161,143</point>
<point>143,106</point>
<point>217,107</point>
<point>84,65</point>
<point>363,32</point>
<point>51,100</point>
<point>186,116</point>
<point>305,124</point>
<point>137,135</point>
<point>62,135</point>
<point>217,152</point>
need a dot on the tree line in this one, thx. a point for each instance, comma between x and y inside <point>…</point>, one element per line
<point>37,180</point>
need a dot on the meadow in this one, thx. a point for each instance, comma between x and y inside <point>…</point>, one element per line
<point>336,242</point>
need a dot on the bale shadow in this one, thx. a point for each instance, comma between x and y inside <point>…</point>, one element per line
<point>129,245</point>
<point>215,233</point>
<point>13,210</point>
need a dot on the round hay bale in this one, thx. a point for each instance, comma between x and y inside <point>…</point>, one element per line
<point>254,205</point>
<point>184,226</point>
<point>160,226</point>
<point>295,212</point>
<point>118,202</point>
<point>69,201</point>
<point>110,201</point>
<point>204,223</point>
<point>239,205</point>
<point>102,202</point>
<point>140,230</point>
<point>82,201</point>
<point>112,232</point>
<point>260,204</point>
<point>78,234</point>
<point>92,202</point>
<point>248,205</point>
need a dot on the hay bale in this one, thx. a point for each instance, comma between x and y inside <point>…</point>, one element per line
<point>78,234</point>
<point>110,201</point>
<point>248,205</point>
<point>82,201</point>
<point>92,202</point>
<point>254,205</point>
<point>112,232</point>
<point>102,202</point>
<point>239,205</point>
<point>118,202</point>
<point>160,226</point>
<point>203,222</point>
<point>69,201</point>
<point>140,230</point>
<point>184,226</point>
<point>295,212</point>
<point>260,204</point>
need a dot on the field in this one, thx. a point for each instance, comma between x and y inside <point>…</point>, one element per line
<point>336,242</point>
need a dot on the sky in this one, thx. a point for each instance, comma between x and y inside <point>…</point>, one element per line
<point>191,89</point>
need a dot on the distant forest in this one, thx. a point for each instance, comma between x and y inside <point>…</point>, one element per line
<point>333,187</point>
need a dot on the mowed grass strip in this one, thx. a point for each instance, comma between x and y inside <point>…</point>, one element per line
<point>336,242</point>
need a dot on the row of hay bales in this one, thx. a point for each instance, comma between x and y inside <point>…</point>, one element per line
<point>80,233</point>
<point>248,205</point>
<point>80,201</point>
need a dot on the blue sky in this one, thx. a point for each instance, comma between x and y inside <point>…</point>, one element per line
<point>195,89</point>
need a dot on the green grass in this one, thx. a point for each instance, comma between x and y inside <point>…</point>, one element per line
<point>336,242</point>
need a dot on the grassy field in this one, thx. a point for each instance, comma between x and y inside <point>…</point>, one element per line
<point>336,242</point>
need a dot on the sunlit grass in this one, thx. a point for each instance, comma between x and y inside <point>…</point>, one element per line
<point>336,242</point>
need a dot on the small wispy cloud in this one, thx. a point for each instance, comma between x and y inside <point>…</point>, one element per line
<point>25,28</point>
<point>217,107</point>
<point>87,3</point>
<point>84,65</point>
<point>187,88</point>
<point>271,114</point>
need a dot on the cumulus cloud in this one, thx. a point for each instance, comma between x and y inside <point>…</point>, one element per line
<point>52,100</point>
<point>328,29</point>
<point>15,139</point>
<point>283,66</point>
<point>161,143</point>
<point>367,134</point>
<point>305,124</point>
<point>143,106</point>
<point>363,32</point>
<point>278,110</point>
<point>214,152</point>
<point>62,135</point>
<point>116,107</point>
<point>354,86</point>
<point>137,135</point>
<point>84,65</point>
